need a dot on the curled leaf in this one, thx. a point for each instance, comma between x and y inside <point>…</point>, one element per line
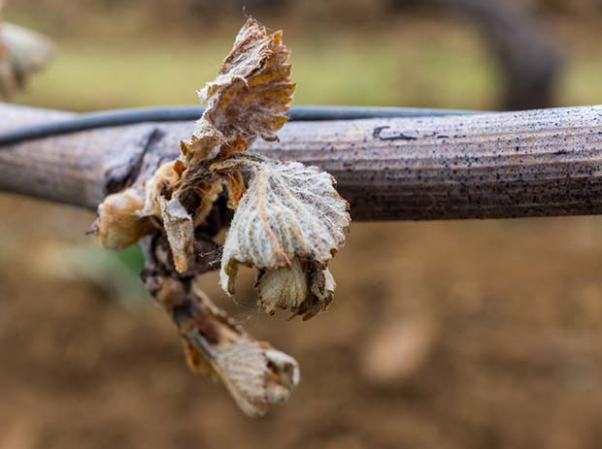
<point>282,287</point>
<point>306,288</point>
<point>288,224</point>
<point>256,375</point>
<point>119,223</point>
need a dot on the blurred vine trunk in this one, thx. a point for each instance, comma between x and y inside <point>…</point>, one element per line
<point>529,62</point>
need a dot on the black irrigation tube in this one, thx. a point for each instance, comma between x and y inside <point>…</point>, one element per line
<point>121,117</point>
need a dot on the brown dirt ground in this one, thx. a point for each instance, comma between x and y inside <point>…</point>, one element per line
<point>443,335</point>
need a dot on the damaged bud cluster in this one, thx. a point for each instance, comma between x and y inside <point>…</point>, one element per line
<point>289,221</point>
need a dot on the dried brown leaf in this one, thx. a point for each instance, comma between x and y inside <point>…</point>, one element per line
<point>249,96</point>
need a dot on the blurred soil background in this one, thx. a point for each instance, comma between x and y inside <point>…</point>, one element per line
<point>465,334</point>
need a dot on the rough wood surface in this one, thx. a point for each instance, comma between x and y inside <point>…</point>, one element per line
<point>535,163</point>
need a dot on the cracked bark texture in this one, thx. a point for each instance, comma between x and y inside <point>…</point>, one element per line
<point>521,164</point>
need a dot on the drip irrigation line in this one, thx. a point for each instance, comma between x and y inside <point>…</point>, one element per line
<point>122,117</point>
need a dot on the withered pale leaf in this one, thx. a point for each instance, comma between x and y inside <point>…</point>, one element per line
<point>249,371</point>
<point>250,94</point>
<point>291,218</point>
